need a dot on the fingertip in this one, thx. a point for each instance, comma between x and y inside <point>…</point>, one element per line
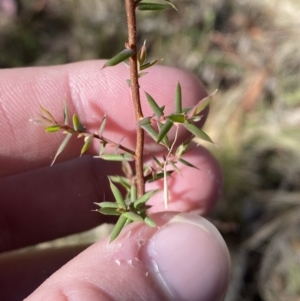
<point>189,259</point>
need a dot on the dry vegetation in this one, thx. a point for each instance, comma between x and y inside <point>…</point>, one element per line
<point>249,51</point>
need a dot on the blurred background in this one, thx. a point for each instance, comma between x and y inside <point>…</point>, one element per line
<point>250,52</point>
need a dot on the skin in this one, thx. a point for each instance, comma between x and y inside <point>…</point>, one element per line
<point>39,203</point>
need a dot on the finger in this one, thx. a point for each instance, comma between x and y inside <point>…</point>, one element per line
<point>22,272</point>
<point>52,202</point>
<point>87,91</point>
<point>58,201</point>
<point>147,264</point>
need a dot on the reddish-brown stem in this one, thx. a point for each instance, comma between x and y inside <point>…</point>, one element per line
<point>101,138</point>
<point>131,24</point>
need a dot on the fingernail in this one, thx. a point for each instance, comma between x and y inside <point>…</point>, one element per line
<point>188,259</point>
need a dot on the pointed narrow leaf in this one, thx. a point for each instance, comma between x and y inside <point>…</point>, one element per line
<point>76,122</point>
<point>121,180</point>
<point>143,199</point>
<point>178,118</point>
<point>142,54</point>
<point>152,6</point>
<point>150,222</point>
<point>157,162</point>
<point>160,175</point>
<point>133,193</point>
<point>144,121</point>
<point>197,132</point>
<point>117,194</point>
<point>201,105</point>
<point>111,205</point>
<point>102,126</point>
<point>148,65</point>
<point>183,147</point>
<point>116,157</point>
<point>66,114</point>
<point>62,146</point>
<point>165,141</point>
<point>148,128</point>
<point>102,148</point>
<point>133,216</point>
<point>118,228</point>
<point>164,130</point>
<point>52,128</point>
<point>176,168</point>
<point>109,211</point>
<point>172,5</point>
<point>48,114</point>
<point>120,57</point>
<point>87,143</point>
<point>187,163</point>
<point>154,106</point>
<point>178,99</point>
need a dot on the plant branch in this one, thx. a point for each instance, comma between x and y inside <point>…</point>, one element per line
<point>131,24</point>
<point>96,136</point>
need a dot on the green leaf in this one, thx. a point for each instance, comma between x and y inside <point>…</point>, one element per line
<point>148,128</point>
<point>178,118</point>
<point>144,121</point>
<point>116,157</point>
<point>150,222</point>
<point>160,164</point>
<point>133,193</point>
<point>48,114</point>
<point>148,65</point>
<point>109,211</point>
<point>66,114</point>
<point>175,168</point>
<point>102,148</point>
<point>154,106</point>
<point>160,175</point>
<point>111,205</point>
<point>183,147</point>
<point>152,6</point>
<point>187,163</point>
<point>143,199</point>
<point>178,99</point>
<point>120,57</point>
<point>118,228</point>
<point>197,132</point>
<point>201,105</point>
<point>172,5</point>
<point>142,54</point>
<point>87,143</point>
<point>164,130</point>
<point>62,146</point>
<point>117,194</point>
<point>102,126</point>
<point>76,122</point>
<point>133,216</point>
<point>52,128</point>
<point>121,180</point>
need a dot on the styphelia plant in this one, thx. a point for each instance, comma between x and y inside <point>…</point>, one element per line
<point>133,207</point>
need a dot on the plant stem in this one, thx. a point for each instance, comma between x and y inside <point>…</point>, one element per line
<point>131,24</point>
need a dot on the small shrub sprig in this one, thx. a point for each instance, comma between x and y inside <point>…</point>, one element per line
<point>133,206</point>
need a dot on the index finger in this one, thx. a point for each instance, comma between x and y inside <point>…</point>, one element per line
<point>88,92</point>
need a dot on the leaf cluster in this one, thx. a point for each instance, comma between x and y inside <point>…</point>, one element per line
<point>130,207</point>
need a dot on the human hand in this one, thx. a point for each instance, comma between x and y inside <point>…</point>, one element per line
<point>185,258</point>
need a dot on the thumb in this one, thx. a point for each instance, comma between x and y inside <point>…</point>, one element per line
<point>184,258</point>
